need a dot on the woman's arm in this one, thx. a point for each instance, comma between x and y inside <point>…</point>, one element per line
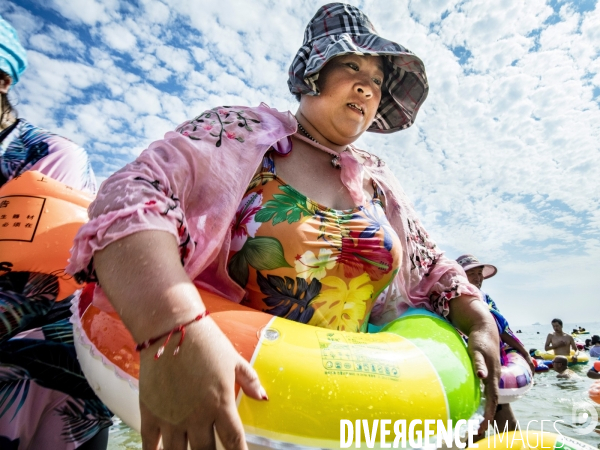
<point>517,345</point>
<point>182,396</point>
<point>471,316</point>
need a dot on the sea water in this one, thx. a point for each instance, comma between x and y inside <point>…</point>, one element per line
<point>560,403</point>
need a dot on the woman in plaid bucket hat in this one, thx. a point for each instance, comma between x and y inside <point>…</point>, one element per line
<point>340,29</point>
<point>345,247</point>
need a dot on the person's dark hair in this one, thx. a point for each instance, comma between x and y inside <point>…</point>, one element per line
<point>560,360</point>
<point>5,107</point>
<point>595,339</point>
<point>558,321</point>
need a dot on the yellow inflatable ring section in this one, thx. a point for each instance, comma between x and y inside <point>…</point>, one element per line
<point>417,368</point>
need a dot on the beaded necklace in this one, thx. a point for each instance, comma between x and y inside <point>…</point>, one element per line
<point>335,161</point>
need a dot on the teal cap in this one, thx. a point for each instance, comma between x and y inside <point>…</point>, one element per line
<point>13,59</point>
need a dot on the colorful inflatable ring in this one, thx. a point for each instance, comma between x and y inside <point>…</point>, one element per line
<point>417,367</point>
<point>579,343</point>
<point>542,366</point>
<point>39,218</point>
<point>531,439</point>
<point>515,378</point>
<point>595,392</point>
<point>582,358</point>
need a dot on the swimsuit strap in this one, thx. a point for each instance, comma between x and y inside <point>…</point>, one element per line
<point>378,193</point>
<point>268,165</point>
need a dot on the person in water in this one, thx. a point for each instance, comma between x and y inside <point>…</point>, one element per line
<point>282,212</point>
<point>561,365</point>
<point>595,346</point>
<point>560,342</point>
<point>476,272</point>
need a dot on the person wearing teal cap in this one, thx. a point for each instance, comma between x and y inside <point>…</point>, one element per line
<point>13,59</point>
<point>45,401</point>
<point>13,62</point>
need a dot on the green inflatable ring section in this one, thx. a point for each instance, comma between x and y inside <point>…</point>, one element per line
<point>448,354</point>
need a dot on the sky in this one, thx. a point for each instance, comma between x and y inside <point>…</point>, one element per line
<point>503,161</point>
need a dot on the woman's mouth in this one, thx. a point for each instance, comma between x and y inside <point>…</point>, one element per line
<point>357,108</point>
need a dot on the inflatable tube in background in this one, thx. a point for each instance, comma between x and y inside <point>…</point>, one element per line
<point>516,378</point>
<point>582,358</point>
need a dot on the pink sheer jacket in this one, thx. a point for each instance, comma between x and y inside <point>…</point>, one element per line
<point>191,182</point>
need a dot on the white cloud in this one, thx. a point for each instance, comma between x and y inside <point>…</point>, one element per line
<point>56,41</point>
<point>144,99</point>
<point>118,37</point>
<point>89,12</point>
<point>156,11</point>
<point>177,59</point>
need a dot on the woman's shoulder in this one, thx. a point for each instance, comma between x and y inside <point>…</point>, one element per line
<point>27,135</point>
<point>234,121</point>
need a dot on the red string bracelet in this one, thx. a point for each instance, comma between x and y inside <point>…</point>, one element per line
<point>168,334</point>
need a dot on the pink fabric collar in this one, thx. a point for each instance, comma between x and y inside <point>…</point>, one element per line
<point>351,173</point>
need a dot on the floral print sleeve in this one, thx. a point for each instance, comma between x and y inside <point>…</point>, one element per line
<point>177,185</point>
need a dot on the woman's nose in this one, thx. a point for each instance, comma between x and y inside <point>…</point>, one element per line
<point>364,90</point>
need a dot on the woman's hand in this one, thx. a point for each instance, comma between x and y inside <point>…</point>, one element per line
<point>470,315</point>
<point>529,360</point>
<point>517,345</point>
<point>183,397</point>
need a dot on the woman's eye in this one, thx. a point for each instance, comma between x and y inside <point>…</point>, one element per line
<point>353,66</point>
<point>377,81</point>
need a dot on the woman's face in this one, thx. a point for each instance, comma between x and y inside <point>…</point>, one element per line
<point>475,276</point>
<point>5,82</point>
<point>350,88</point>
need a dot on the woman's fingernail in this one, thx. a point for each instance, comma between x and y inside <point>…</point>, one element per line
<point>263,394</point>
<point>480,373</point>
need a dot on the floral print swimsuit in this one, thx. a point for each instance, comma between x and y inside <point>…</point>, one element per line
<point>303,261</point>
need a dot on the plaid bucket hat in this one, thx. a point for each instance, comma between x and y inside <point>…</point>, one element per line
<point>469,262</point>
<point>339,29</point>
<point>13,59</point>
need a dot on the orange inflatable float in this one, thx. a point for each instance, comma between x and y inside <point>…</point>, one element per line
<point>40,216</point>
<point>416,369</point>
<point>595,392</point>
